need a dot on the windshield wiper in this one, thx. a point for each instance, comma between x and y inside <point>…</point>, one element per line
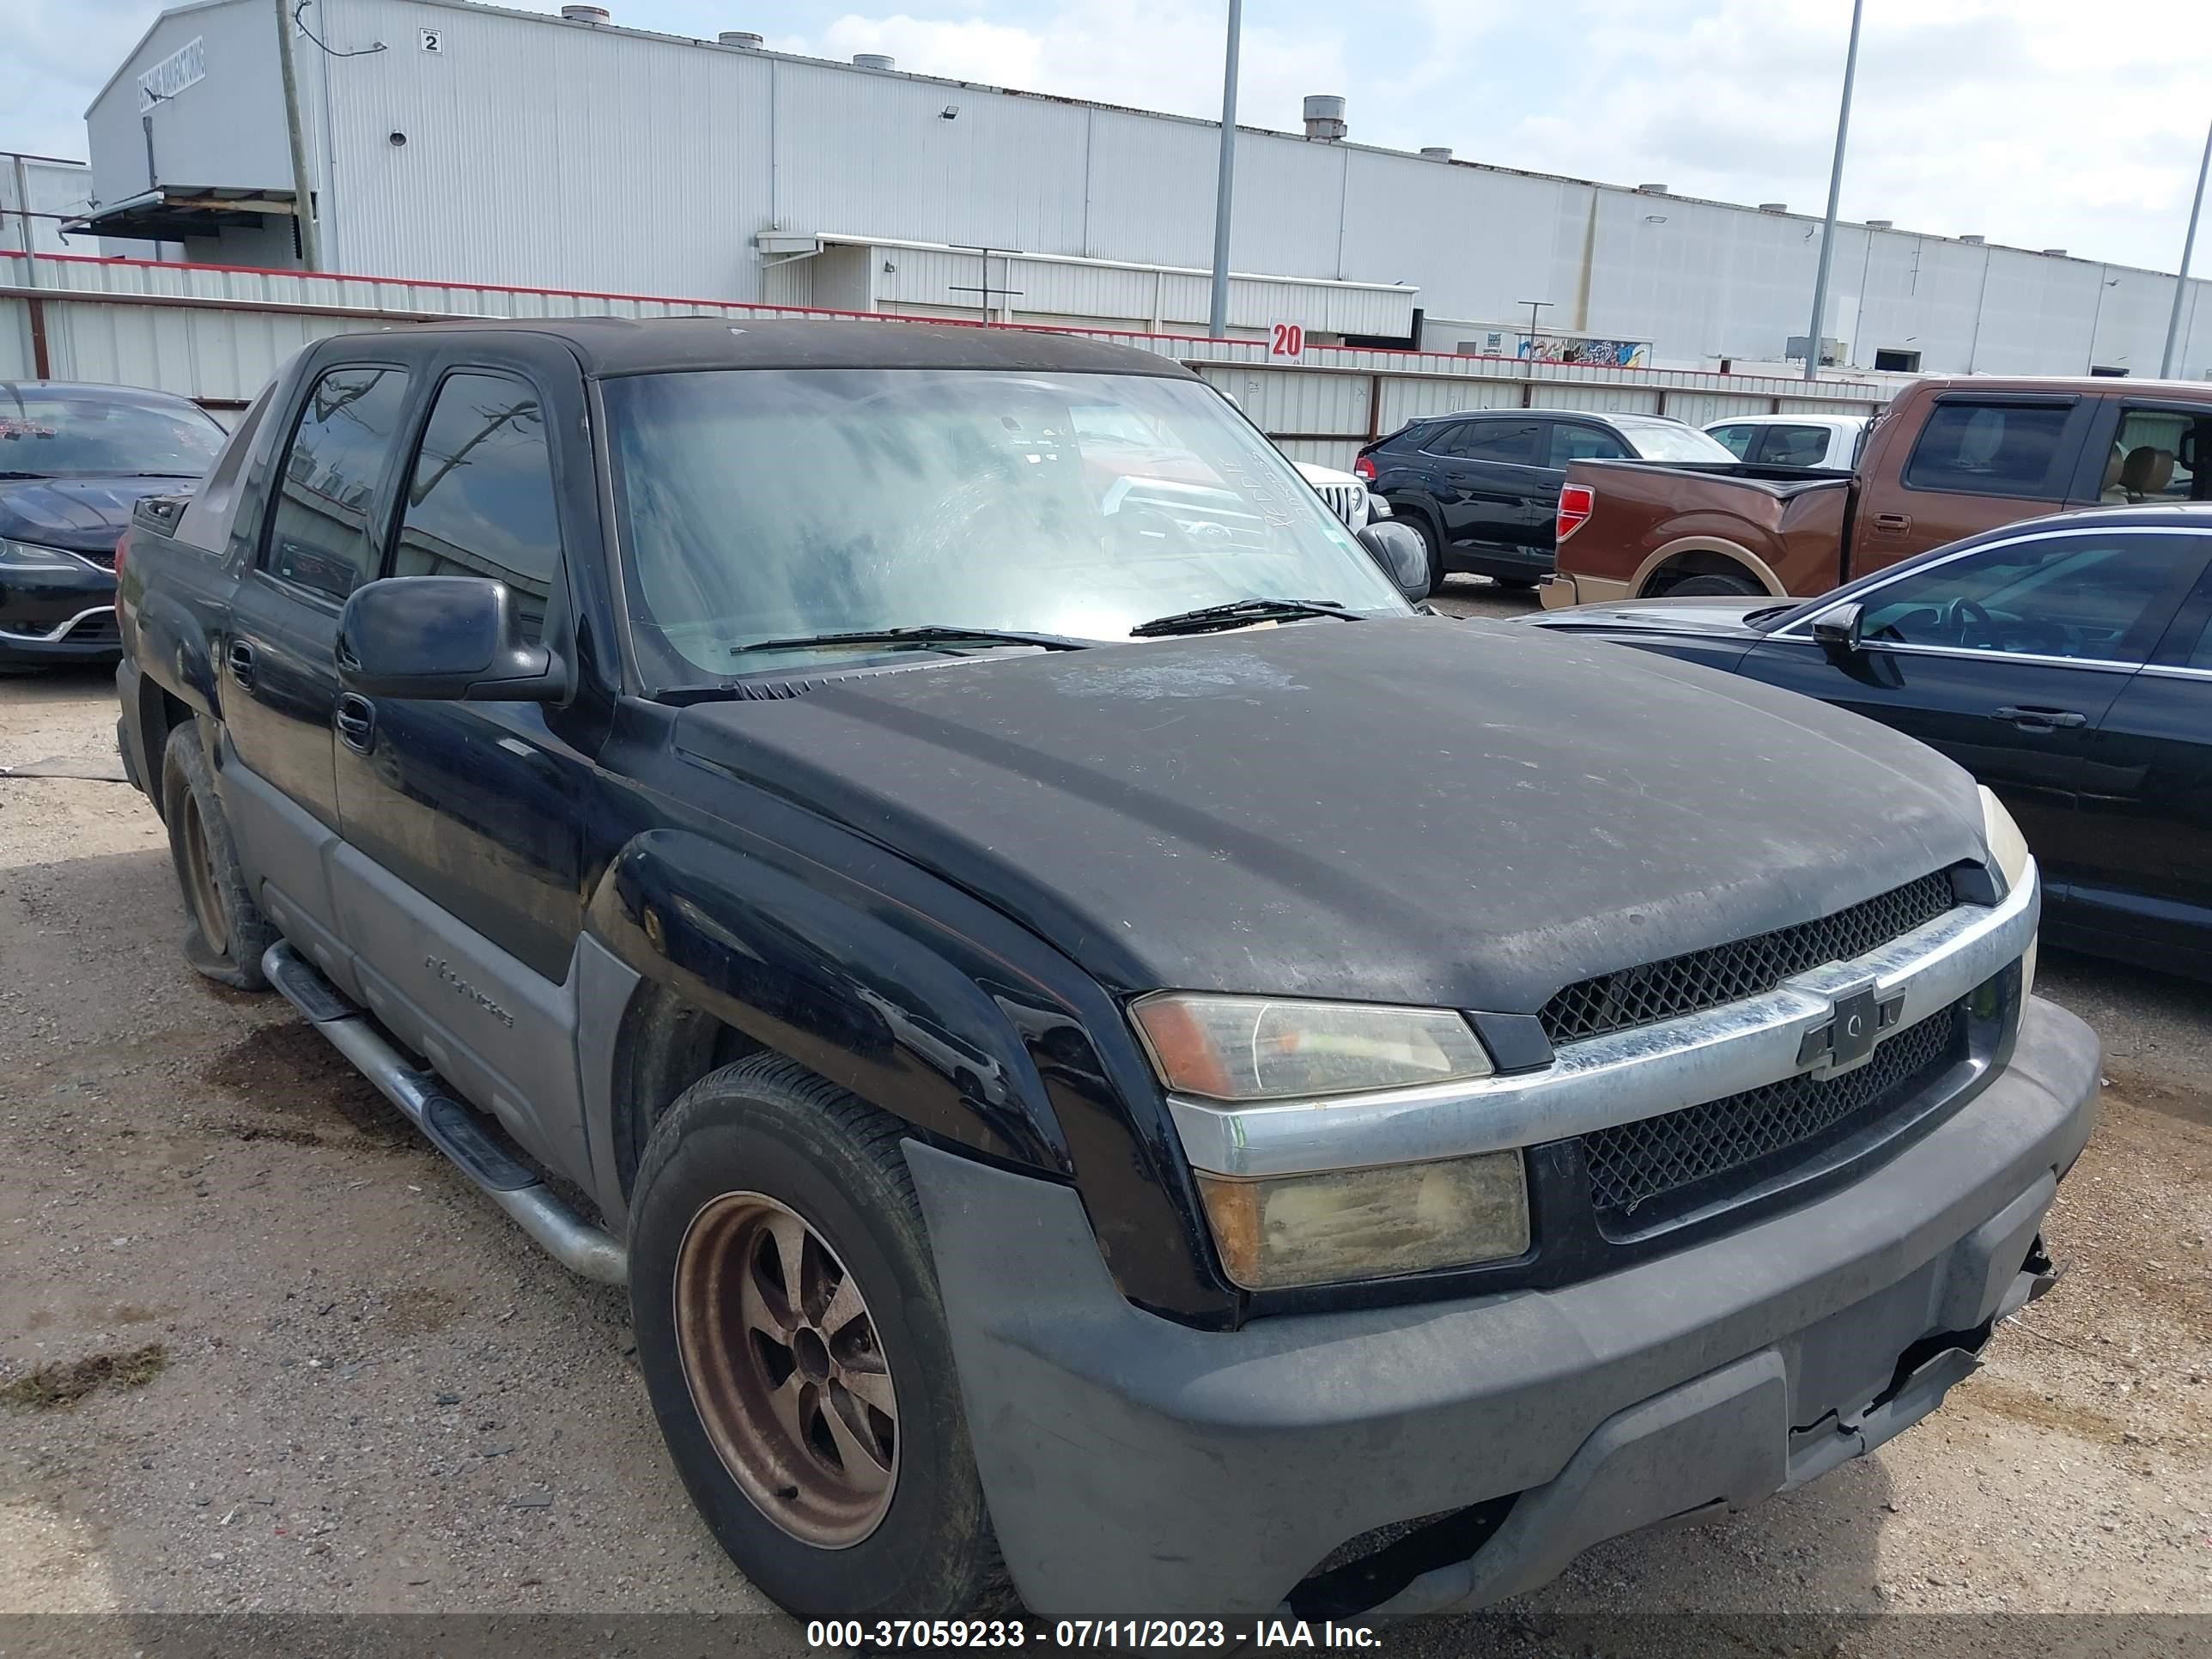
<point>922,633</point>
<point>1236,614</point>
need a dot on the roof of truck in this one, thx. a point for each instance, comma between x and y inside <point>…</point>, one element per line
<point>622,345</point>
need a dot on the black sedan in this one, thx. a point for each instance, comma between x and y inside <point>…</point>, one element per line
<point>73,460</point>
<point>2066,662</point>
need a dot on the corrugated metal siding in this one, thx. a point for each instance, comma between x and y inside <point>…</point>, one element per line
<point>227,352</point>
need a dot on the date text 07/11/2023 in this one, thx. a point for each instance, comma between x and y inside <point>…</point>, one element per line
<point>1112,1633</point>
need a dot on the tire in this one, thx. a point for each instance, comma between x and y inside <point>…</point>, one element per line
<point>225,932</point>
<point>1714,587</point>
<point>749,1153</point>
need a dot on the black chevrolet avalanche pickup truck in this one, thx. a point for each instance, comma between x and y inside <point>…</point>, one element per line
<point>1097,1036</point>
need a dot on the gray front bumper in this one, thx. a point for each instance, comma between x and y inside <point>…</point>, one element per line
<point>1135,1466</point>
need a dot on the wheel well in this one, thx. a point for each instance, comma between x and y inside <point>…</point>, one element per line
<point>159,715</point>
<point>1695,561</point>
<point>666,1045</point>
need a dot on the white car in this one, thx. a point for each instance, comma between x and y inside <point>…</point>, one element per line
<point>1350,497</point>
<point>1824,441</point>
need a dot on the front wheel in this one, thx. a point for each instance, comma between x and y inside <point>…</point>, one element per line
<point>794,1345</point>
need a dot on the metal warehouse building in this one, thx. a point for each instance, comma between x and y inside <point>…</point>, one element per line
<point>457,142</point>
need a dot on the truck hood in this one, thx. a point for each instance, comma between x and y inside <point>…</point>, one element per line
<point>80,515</point>
<point>1451,813</point>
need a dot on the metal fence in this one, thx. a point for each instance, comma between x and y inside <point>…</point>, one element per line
<point>217,333</point>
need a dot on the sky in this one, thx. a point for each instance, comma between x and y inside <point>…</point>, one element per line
<point>2074,124</point>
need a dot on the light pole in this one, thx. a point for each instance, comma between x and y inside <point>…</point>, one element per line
<point>1217,317</point>
<point>2171,361</point>
<point>1534,306</point>
<point>1835,190</point>
<point>303,195</point>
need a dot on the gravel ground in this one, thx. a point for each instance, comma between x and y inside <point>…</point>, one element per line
<point>293,1365</point>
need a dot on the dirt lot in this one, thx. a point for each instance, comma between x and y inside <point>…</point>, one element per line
<point>261,1351</point>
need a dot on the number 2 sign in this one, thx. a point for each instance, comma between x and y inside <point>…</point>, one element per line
<point>1287,340</point>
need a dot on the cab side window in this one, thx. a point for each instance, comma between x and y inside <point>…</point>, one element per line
<point>1991,449</point>
<point>2088,598</point>
<point>1738,438</point>
<point>480,499</point>
<point>2159,455</point>
<point>319,537</point>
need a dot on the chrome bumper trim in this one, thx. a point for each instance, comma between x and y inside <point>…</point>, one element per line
<point>61,632</point>
<point>1620,1078</point>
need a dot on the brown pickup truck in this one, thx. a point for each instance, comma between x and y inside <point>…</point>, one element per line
<point>1949,457</point>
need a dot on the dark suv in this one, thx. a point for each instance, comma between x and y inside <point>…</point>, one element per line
<point>830,834</point>
<point>1482,486</point>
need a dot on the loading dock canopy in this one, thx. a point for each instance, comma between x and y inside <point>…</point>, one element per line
<point>171,213</point>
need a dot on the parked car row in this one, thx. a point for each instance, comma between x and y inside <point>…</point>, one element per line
<point>1097,1035</point>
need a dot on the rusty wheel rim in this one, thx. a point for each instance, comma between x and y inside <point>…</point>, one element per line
<point>199,882</point>
<point>785,1369</point>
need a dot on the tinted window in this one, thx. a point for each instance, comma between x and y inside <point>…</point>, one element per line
<point>1736,440</point>
<point>1584,443</point>
<point>480,499</point>
<point>1510,441</point>
<point>2071,596</point>
<point>1988,449</point>
<point>319,537</point>
<point>1794,445</point>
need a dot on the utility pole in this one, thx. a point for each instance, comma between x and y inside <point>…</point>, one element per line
<point>1835,191</point>
<point>2171,360</point>
<point>1534,306</point>
<point>1217,317</point>
<point>303,198</point>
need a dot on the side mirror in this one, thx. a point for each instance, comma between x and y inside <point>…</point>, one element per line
<point>1404,556</point>
<point>1838,630</point>
<point>444,637</point>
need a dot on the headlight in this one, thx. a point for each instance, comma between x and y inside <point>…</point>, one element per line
<point>29,555</point>
<point>1272,1049</point>
<point>2009,848</point>
<point>1368,1224</point>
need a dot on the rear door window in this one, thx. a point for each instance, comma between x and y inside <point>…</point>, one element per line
<point>1512,442</point>
<point>1991,449</point>
<point>480,499</point>
<point>320,537</point>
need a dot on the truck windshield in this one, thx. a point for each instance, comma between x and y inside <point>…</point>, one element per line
<point>782,506</point>
<point>61,432</point>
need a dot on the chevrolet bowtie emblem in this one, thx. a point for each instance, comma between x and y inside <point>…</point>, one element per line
<point>1857,1020</point>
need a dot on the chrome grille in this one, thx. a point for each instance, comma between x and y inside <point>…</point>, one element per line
<point>1347,501</point>
<point>1679,984</point>
<point>1635,1168</point>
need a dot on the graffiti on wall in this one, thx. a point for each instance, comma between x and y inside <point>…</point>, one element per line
<point>1578,348</point>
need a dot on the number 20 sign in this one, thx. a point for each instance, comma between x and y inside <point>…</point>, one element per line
<point>1287,340</point>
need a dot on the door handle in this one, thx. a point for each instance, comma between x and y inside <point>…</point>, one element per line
<point>2042,720</point>
<point>355,719</point>
<point>240,658</point>
<point>1893,523</point>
